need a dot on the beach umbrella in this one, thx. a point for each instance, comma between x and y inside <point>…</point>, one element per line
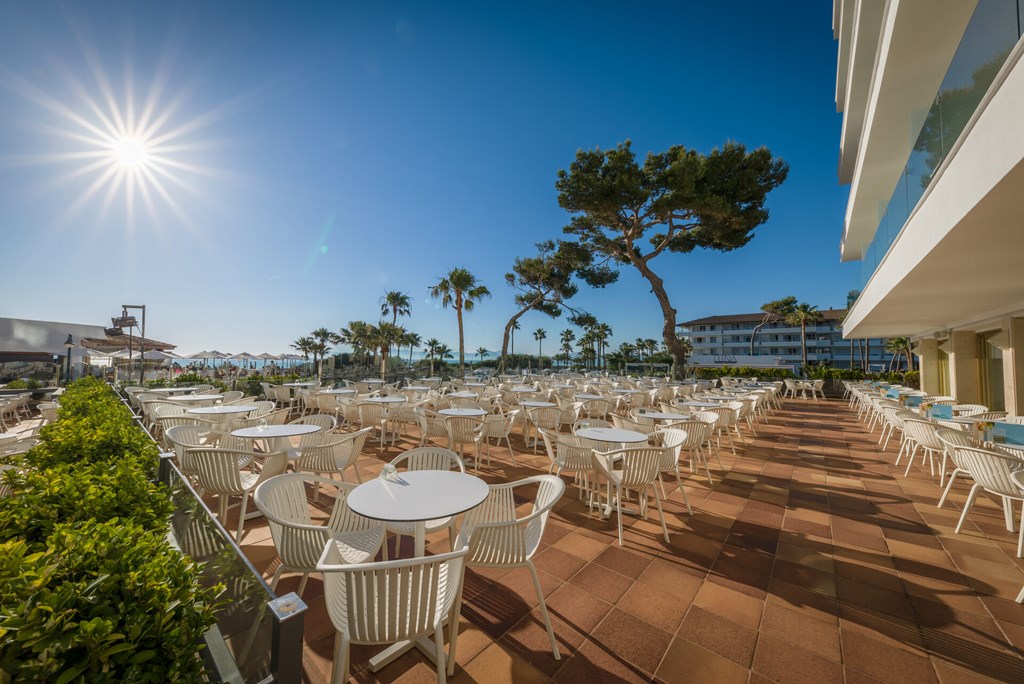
<point>244,356</point>
<point>157,355</point>
<point>267,357</point>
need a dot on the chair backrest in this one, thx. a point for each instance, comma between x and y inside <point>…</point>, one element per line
<point>640,465</point>
<point>219,470</point>
<point>167,410</point>
<point>462,429</point>
<point>263,408</point>
<point>923,432</point>
<point>390,601</point>
<point>587,423</point>
<point>321,420</point>
<point>497,537</point>
<point>298,541</point>
<point>333,453</point>
<point>568,452</point>
<point>429,458</point>
<point>233,395</point>
<point>549,417</point>
<point>968,409</point>
<point>182,437</point>
<point>953,438</point>
<point>990,469</point>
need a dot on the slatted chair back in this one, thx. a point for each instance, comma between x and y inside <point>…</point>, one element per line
<point>429,458</point>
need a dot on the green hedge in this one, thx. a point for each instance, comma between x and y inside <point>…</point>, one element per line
<point>743,372</point>
<point>90,588</point>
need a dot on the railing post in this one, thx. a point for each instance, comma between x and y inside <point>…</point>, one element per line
<point>288,612</point>
<point>163,473</point>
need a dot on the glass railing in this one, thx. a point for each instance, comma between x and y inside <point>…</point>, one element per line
<point>992,32</point>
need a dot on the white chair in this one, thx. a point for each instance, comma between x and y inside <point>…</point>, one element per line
<point>393,601</point>
<point>633,469</point>
<point>219,471</point>
<point>463,430</point>
<point>921,434</point>
<point>951,439</point>
<point>233,395</point>
<point>323,421</point>
<point>542,418</point>
<point>672,441</point>
<point>497,427</point>
<point>336,453</point>
<point>993,472</point>
<point>300,542</point>
<point>427,458</point>
<point>571,454</point>
<point>431,425</point>
<point>374,415</point>
<point>498,538</point>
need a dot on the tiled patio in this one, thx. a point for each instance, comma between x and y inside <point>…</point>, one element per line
<point>811,559</point>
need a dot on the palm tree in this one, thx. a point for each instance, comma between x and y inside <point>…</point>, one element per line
<point>412,341</point>
<point>481,352</point>
<point>304,345</point>
<point>396,303</point>
<point>804,314</point>
<point>323,338</point>
<point>444,353</point>
<point>650,346</point>
<point>460,290</point>
<point>899,346</point>
<point>384,335</point>
<point>433,345</point>
<point>567,338</point>
<point>602,331</point>
<point>540,334</point>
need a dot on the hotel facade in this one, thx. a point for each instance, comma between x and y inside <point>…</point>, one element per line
<point>725,340</point>
<point>932,147</point>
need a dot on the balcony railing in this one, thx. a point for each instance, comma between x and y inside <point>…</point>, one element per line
<point>993,30</point>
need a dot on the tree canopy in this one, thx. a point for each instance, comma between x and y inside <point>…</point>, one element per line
<point>676,201</point>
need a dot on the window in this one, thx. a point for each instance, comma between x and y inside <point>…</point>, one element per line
<point>990,372</point>
<point>943,363</point>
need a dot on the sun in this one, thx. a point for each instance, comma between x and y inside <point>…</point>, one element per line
<point>130,152</point>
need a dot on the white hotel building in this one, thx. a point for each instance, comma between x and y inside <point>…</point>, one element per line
<point>932,147</point>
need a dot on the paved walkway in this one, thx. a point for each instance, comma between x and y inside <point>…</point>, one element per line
<point>811,559</point>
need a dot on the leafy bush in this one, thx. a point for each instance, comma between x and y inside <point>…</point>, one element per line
<point>105,601</point>
<point>90,588</point>
<point>23,384</point>
<point>743,372</point>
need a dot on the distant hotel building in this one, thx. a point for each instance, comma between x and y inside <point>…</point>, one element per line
<point>725,340</point>
<point>932,147</point>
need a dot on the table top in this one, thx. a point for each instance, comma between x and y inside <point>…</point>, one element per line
<point>697,404</point>
<point>219,410</point>
<point>196,397</point>
<point>523,389</point>
<point>588,396</point>
<point>373,381</point>
<point>474,384</point>
<point>298,384</point>
<point>343,390</point>
<point>417,388</point>
<point>537,404</point>
<point>463,395</point>
<point>386,400</point>
<point>628,391</point>
<point>172,390</point>
<point>612,435</point>
<point>418,495</point>
<point>462,412</point>
<point>657,415</point>
<point>275,431</point>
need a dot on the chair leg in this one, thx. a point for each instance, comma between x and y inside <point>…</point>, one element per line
<point>949,486</point>
<point>661,513</point>
<point>1008,513</point>
<point>544,611</point>
<point>967,506</point>
<point>241,515</point>
<point>339,673</point>
<point>618,512</point>
<point>679,481</point>
<point>302,583</point>
<point>277,576</point>
<point>442,666</point>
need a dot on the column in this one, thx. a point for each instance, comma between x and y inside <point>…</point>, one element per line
<point>1013,368</point>
<point>927,353</point>
<point>963,366</point>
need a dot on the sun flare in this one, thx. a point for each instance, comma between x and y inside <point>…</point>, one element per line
<point>130,152</point>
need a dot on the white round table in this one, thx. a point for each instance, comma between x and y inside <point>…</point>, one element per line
<point>628,391</point>
<point>418,496</point>
<point>612,435</point>
<point>537,404</point>
<point>385,400</point>
<point>343,390</point>
<point>276,435</point>
<point>463,395</point>
<point>298,384</point>
<point>373,381</point>
<point>221,410</point>
<point>520,390</point>
<point>172,390</point>
<point>697,404</point>
<point>474,384</point>
<point>587,397</point>
<point>471,412</point>
<point>661,415</point>
<point>197,399</point>
<point>417,388</point>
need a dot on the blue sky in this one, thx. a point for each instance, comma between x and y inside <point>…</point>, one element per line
<point>314,158</point>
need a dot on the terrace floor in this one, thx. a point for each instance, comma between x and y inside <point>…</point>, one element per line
<point>811,559</point>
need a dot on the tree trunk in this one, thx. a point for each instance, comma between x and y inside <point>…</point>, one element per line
<point>510,334</point>
<point>668,330</point>
<point>851,354</point>
<point>803,342</point>
<point>540,354</point>
<point>753,334</point>
<point>867,354</point>
<point>462,340</point>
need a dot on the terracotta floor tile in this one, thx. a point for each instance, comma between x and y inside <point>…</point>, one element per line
<point>603,583</point>
<point>630,638</point>
<point>801,629</point>
<point>623,561</point>
<point>558,563</point>
<point>780,660</point>
<point>581,546</point>
<point>688,663</point>
<point>719,635</point>
<point>594,663</point>
<point>497,665</point>
<point>885,662</point>
<point>578,608</point>
<point>654,605</point>
<point>730,604</point>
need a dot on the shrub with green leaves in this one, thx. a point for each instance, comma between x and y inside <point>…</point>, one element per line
<point>90,588</point>
<point>105,602</point>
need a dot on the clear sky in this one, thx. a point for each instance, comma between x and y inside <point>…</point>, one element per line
<point>305,158</point>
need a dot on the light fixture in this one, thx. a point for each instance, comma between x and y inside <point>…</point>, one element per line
<point>69,344</point>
